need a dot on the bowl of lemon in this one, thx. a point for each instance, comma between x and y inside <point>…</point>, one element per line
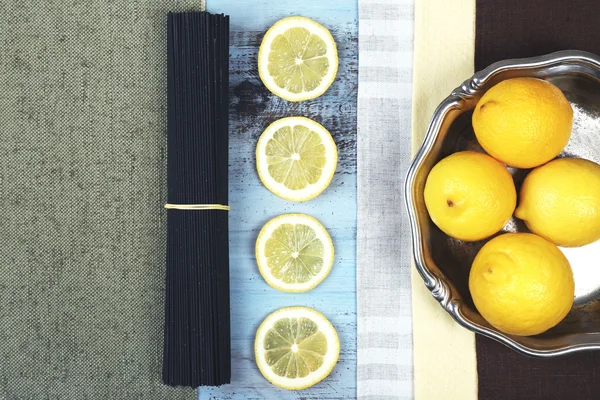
<point>504,203</point>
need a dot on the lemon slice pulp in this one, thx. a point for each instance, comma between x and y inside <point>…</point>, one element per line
<point>296,158</point>
<point>297,59</point>
<point>296,347</point>
<point>294,252</point>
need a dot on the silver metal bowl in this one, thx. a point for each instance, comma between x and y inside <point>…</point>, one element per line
<point>444,262</point>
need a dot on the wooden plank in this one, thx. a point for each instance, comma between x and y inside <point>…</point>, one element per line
<point>253,108</point>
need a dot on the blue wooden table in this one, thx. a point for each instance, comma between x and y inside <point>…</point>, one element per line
<point>253,108</point>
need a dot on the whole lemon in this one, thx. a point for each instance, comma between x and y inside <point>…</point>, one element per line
<point>469,195</point>
<point>523,122</point>
<point>521,283</point>
<point>560,201</point>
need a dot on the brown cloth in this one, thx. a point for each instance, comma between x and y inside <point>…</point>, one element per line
<point>511,29</point>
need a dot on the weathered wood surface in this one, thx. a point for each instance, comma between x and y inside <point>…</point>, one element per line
<point>253,108</point>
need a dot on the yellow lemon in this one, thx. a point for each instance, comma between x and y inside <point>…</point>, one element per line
<point>469,195</point>
<point>296,347</point>
<point>523,122</point>
<point>296,158</point>
<point>297,59</point>
<point>294,252</point>
<point>560,201</point>
<point>522,284</point>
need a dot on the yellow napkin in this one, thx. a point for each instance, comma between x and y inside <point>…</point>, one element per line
<point>445,366</point>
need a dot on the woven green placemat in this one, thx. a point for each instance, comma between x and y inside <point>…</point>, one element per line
<point>82,182</point>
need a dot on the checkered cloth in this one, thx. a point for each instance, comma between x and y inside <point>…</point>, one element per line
<point>383,237</point>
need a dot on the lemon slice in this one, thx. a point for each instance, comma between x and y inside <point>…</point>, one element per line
<point>296,347</point>
<point>294,252</point>
<point>297,59</point>
<point>296,158</point>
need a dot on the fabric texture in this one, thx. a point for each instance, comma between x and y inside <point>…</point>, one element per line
<point>536,27</point>
<point>82,182</point>
<point>444,352</point>
<point>383,238</point>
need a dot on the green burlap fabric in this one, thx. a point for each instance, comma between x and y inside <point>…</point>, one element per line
<point>82,182</point>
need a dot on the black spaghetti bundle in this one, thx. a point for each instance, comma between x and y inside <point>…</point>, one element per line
<point>197,349</point>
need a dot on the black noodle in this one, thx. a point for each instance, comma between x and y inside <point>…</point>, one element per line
<point>197,348</point>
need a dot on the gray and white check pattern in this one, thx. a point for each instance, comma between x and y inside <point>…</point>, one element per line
<point>385,367</point>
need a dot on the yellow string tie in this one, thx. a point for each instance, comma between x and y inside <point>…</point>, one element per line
<point>197,207</point>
